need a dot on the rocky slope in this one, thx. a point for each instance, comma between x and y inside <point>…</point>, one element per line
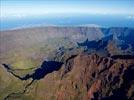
<point>27,48</point>
<point>48,66</point>
<point>84,77</point>
<point>93,77</point>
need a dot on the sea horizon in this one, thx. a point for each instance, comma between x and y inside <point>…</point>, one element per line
<point>106,21</point>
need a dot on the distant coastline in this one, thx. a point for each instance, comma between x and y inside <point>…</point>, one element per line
<point>54,26</point>
<point>64,21</point>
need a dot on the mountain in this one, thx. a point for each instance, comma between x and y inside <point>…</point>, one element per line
<point>117,42</point>
<point>82,77</point>
<point>67,63</point>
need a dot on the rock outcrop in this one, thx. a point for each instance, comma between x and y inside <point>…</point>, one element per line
<point>85,77</point>
<point>98,78</point>
<point>67,64</point>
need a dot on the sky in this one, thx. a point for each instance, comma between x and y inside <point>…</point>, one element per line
<point>23,8</point>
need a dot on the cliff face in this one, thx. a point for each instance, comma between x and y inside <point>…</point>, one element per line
<point>81,77</point>
<point>90,77</point>
<point>92,70</point>
<point>93,77</point>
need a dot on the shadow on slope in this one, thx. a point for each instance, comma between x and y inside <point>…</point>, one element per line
<point>121,93</point>
<point>46,68</point>
<point>102,43</point>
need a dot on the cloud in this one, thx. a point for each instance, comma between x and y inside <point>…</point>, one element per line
<point>130,17</point>
<point>13,16</point>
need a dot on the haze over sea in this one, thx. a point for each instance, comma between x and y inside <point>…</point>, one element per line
<point>77,20</point>
<point>30,13</point>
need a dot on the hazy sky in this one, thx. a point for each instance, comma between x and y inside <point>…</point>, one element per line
<point>22,8</point>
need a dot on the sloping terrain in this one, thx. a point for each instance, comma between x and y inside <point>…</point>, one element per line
<point>26,48</point>
<point>67,63</point>
<point>82,77</point>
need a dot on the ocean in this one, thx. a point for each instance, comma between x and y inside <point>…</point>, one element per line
<point>67,20</point>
